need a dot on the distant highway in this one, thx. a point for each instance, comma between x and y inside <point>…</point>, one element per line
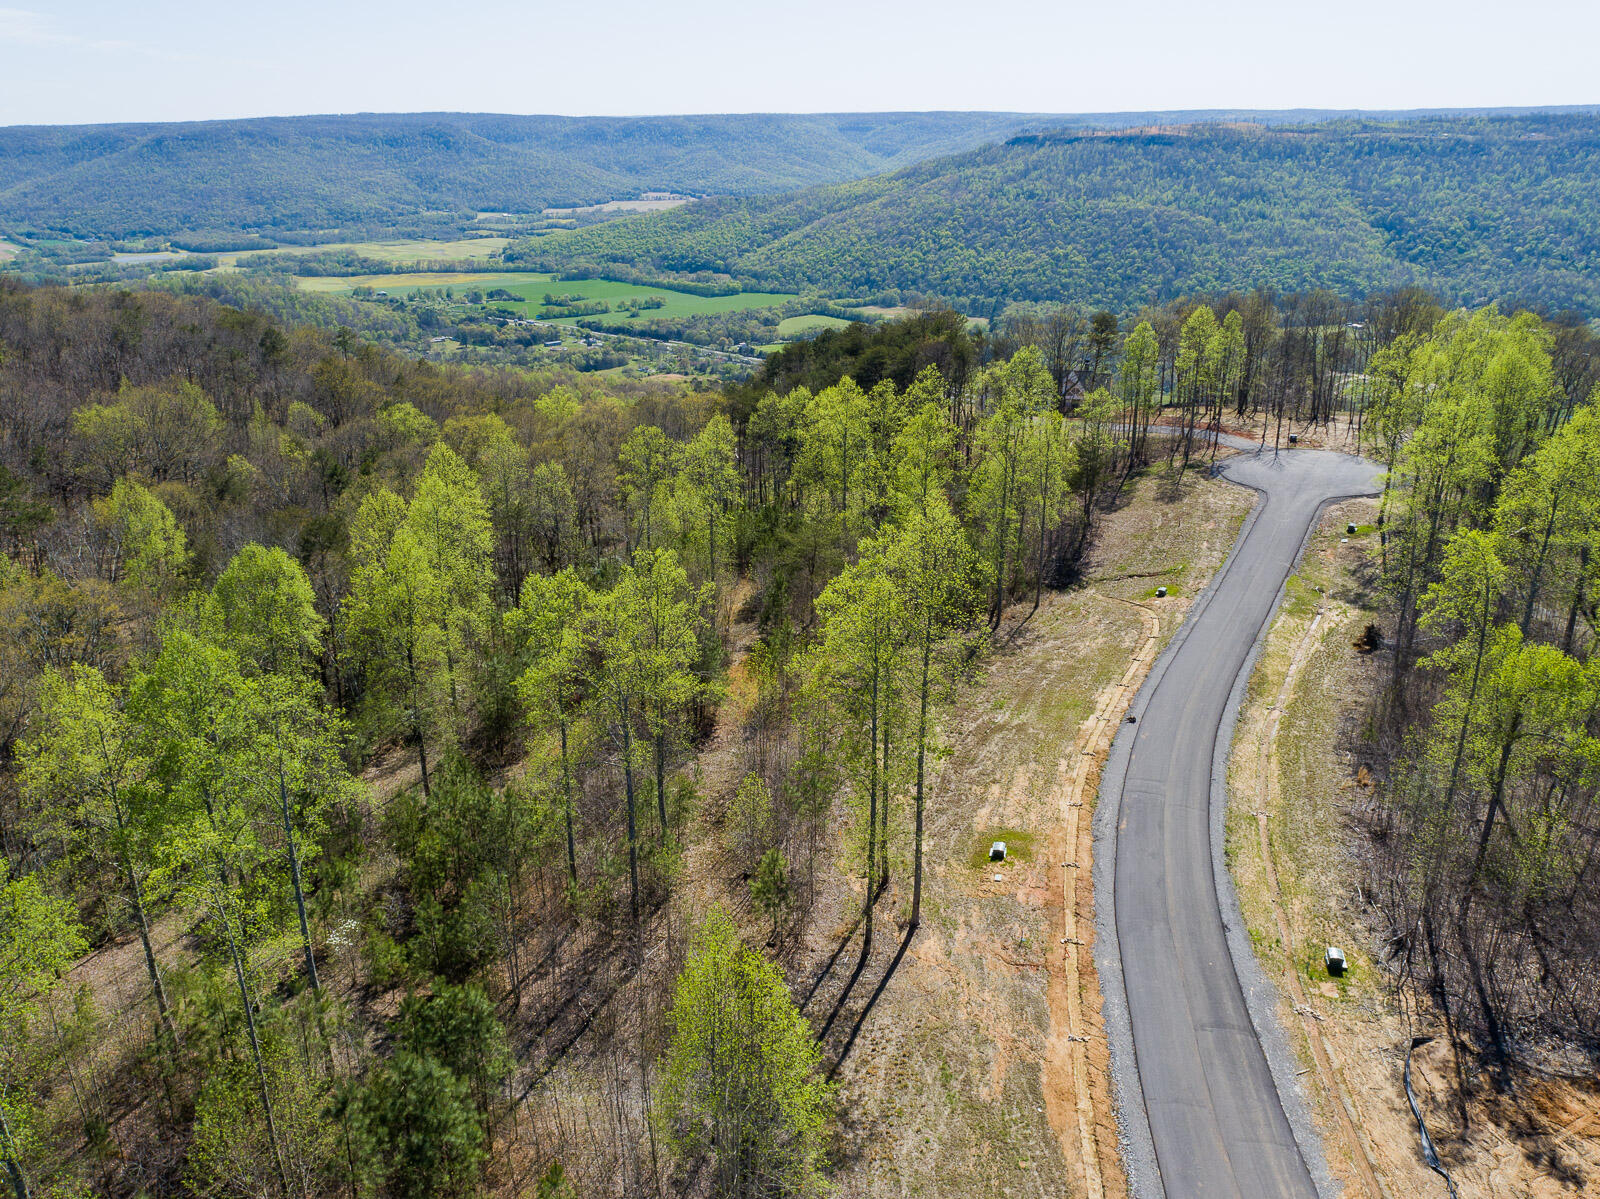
<point>1200,1076</point>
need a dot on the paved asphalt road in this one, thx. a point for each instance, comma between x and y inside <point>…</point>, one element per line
<point>1215,1118</point>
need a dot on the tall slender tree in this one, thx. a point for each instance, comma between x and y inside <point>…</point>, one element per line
<point>548,626</point>
<point>935,572</point>
<point>82,762</point>
<point>856,664</point>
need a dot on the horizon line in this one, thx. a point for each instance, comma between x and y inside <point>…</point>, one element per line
<point>1222,111</point>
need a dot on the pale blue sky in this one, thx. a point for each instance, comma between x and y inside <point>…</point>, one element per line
<point>72,61</point>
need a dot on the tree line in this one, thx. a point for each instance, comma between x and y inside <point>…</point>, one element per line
<point>1486,830</point>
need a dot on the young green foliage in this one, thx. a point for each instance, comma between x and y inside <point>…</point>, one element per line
<point>39,939</point>
<point>936,575</point>
<point>548,626</point>
<point>144,544</point>
<point>739,1079</point>
<point>82,764</point>
<point>394,618</point>
<point>268,612</point>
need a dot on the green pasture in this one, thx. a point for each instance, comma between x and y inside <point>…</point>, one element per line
<point>533,286</point>
<point>794,326</point>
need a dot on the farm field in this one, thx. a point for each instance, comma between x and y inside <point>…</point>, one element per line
<point>416,249</point>
<point>533,286</point>
<point>794,326</point>
<point>7,251</point>
<point>618,206</point>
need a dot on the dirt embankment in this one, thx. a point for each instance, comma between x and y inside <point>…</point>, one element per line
<point>1295,790</point>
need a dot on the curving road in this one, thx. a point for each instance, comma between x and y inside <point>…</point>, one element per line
<point>1198,1073</point>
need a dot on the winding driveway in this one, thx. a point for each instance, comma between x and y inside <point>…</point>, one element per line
<point>1194,1060</point>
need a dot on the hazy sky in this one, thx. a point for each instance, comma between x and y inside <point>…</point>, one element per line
<point>71,61</point>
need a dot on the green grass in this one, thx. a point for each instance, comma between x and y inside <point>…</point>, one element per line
<point>1300,598</point>
<point>1019,845</point>
<point>795,325</point>
<point>1314,968</point>
<point>533,286</point>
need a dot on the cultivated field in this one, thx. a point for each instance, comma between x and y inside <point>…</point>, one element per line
<point>406,250</point>
<point>533,286</point>
<point>617,206</point>
<point>794,326</point>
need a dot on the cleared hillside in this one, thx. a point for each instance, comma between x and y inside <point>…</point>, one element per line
<point>1477,208</point>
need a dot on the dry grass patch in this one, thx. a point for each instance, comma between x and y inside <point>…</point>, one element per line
<point>950,1089</point>
<point>1542,1140</point>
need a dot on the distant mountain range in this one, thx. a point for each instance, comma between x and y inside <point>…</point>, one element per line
<point>308,173</point>
<point>1476,207</point>
<point>372,170</point>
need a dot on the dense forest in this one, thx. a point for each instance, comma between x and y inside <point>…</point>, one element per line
<point>242,184</point>
<point>248,561</point>
<point>383,170</point>
<point>249,184</point>
<point>352,710</point>
<point>1477,209</point>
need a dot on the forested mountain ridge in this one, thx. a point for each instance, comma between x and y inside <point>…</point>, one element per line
<point>1478,208</point>
<point>319,172</point>
<point>313,172</point>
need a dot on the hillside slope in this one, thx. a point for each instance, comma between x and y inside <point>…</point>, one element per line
<point>315,172</point>
<point>1478,208</point>
<point>377,169</point>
